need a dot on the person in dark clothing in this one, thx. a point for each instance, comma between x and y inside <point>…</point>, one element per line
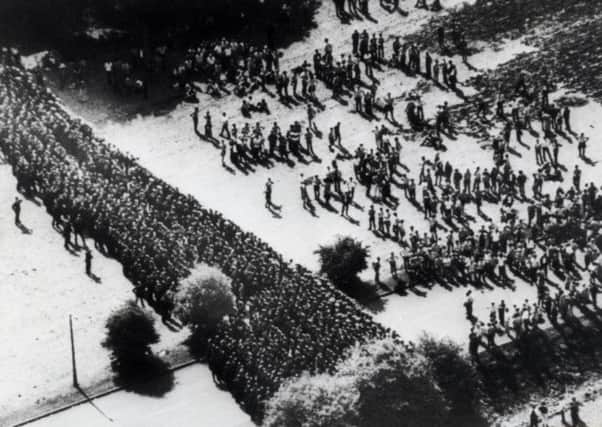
<point>582,145</point>
<point>473,347</point>
<point>376,267</point>
<point>195,119</point>
<point>533,418</point>
<point>355,38</point>
<point>428,63</point>
<point>88,261</point>
<point>574,411</point>
<point>501,313</point>
<point>371,218</point>
<point>577,178</point>
<point>223,151</point>
<point>468,305</point>
<point>67,235</point>
<point>337,133</point>
<point>208,126</point>
<point>478,200</point>
<point>304,195</point>
<point>17,210</point>
<point>268,193</point>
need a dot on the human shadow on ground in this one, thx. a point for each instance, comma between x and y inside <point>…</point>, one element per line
<point>23,228</point>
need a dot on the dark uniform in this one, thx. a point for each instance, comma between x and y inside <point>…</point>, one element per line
<point>574,410</point>
<point>195,119</point>
<point>88,261</point>
<point>376,267</point>
<point>468,305</point>
<point>17,210</point>
<point>208,126</point>
<point>67,235</point>
<point>371,219</point>
<point>268,194</point>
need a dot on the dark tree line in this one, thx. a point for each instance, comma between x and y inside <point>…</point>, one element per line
<point>54,22</point>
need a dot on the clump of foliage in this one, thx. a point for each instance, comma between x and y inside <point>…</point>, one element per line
<point>343,261</point>
<point>457,379</point>
<point>382,383</point>
<point>130,333</point>
<point>201,303</point>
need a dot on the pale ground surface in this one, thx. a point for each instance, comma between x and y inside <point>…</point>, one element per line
<point>168,146</point>
<point>170,149</point>
<point>194,401</point>
<point>41,285</point>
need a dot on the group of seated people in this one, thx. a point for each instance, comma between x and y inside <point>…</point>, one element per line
<point>225,66</point>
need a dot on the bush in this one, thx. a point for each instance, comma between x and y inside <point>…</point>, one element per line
<point>396,386</point>
<point>313,401</point>
<point>383,383</point>
<point>130,332</point>
<point>343,261</point>
<point>457,378</point>
<point>203,299</point>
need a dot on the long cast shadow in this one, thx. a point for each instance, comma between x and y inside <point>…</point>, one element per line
<point>150,376</point>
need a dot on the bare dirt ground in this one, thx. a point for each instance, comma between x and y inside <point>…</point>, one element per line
<point>167,145</point>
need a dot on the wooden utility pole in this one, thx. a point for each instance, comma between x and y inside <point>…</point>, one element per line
<point>73,366</point>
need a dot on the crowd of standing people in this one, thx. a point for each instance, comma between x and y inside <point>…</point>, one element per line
<point>158,234</point>
<point>288,320</point>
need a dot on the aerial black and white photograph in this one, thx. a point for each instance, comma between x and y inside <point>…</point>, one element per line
<point>301,213</point>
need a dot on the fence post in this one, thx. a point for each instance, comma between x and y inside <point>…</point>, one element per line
<point>74,367</point>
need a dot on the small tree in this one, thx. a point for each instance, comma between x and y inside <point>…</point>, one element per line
<point>457,378</point>
<point>343,261</point>
<point>202,301</point>
<point>130,332</point>
<point>313,401</point>
<point>396,386</point>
